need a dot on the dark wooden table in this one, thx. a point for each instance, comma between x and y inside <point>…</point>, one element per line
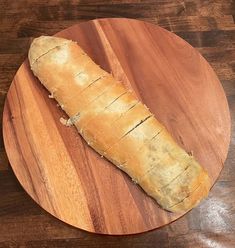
<point>208,26</point>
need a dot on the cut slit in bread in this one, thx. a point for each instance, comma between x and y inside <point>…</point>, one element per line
<point>39,47</point>
<point>133,117</point>
<point>114,111</point>
<point>61,93</point>
<point>76,105</point>
<point>99,104</point>
<point>133,142</point>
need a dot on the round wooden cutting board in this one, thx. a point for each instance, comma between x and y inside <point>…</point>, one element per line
<point>69,179</point>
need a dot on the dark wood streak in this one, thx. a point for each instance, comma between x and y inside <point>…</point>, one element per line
<point>11,121</point>
<point>34,152</point>
<point>138,202</point>
<point>106,64</point>
<point>32,149</point>
<point>96,210</point>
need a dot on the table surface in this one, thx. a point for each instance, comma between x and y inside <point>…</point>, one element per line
<point>209,27</point>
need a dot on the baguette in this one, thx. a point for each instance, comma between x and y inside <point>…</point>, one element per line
<point>117,125</point>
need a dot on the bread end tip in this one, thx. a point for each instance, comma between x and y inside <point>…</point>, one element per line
<point>42,45</point>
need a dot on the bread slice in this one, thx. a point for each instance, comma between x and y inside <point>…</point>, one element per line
<point>65,92</point>
<point>115,110</point>
<point>117,125</point>
<point>99,104</point>
<point>124,151</point>
<point>79,102</point>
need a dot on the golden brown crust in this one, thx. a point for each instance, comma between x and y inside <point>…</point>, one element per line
<point>114,111</point>
<point>122,126</point>
<point>117,125</point>
<point>99,104</point>
<point>110,114</point>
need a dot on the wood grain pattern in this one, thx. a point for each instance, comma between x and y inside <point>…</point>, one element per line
<point>19,213</point>
<point>69,179</point>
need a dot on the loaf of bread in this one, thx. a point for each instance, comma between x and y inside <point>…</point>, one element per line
<point>117,125</point>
